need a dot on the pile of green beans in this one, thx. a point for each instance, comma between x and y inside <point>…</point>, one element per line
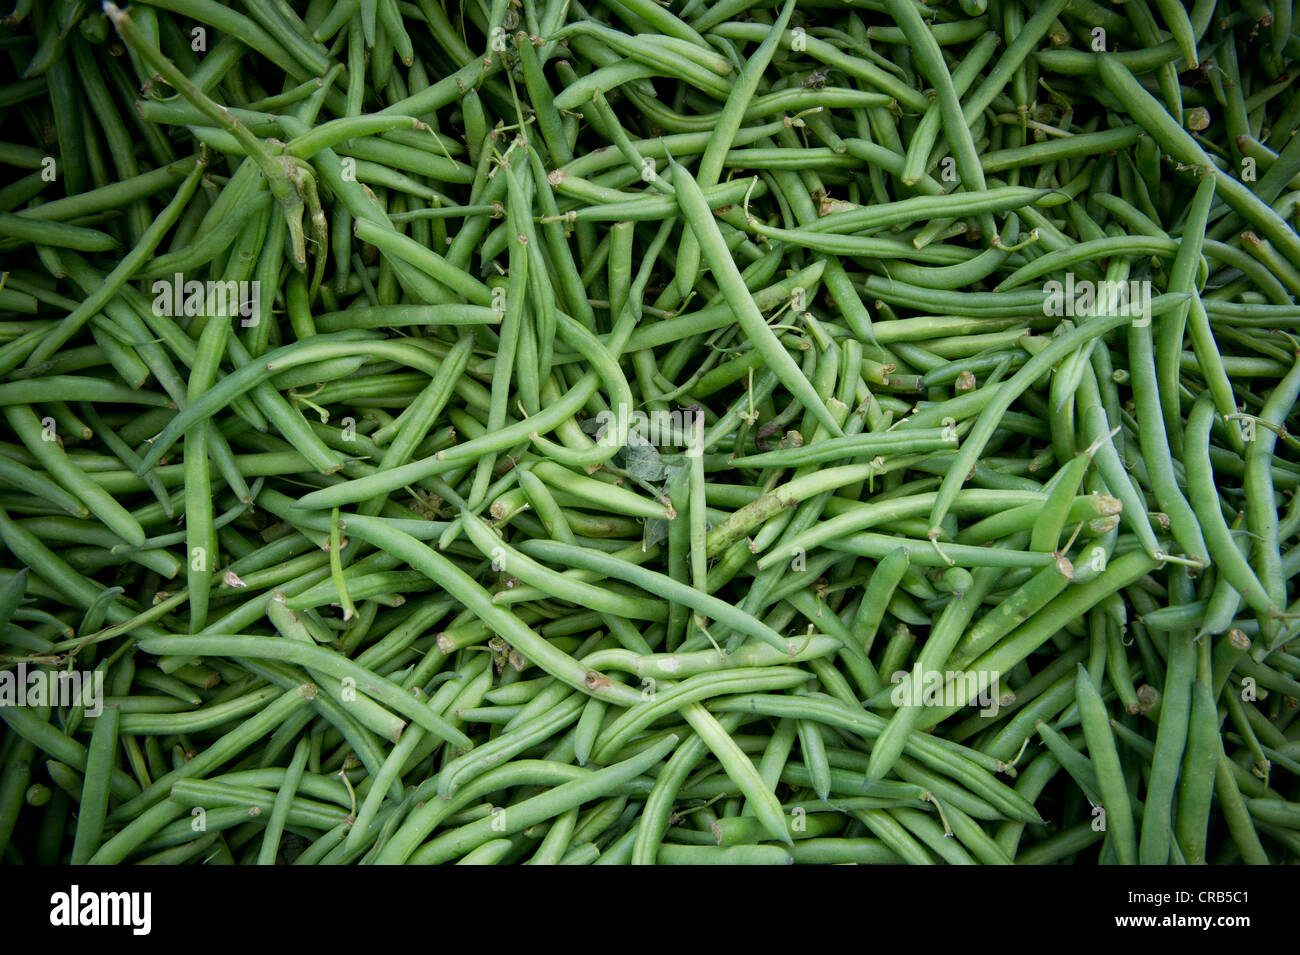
<point>624,432</point>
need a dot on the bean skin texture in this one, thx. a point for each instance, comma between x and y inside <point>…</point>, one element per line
<point>568,433</point>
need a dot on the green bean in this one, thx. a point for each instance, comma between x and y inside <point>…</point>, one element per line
<point>280,810</point>
<point>1180,144</point>
<point>57,234</point>
<point>894,836</point>
<point>17,774</point>
<point>28,725</point>
<point>930,62</point>
<point>1113,791</point>
<point>1204,497</point>
<point>898,430</point>
<point>740,770</point>
<point>1236,812</point>
<point>1008,651</point>
<point>1261,516</point>
<point>126,269</point>
<point>397,316</point>
<point>703,603</point>
<point>723,134</point>
<point>1176,19</point>
<point>1176,704</point>
<point>317,658</point>
<point>519,635</point>
<point>56,461</point>
<point>35,483</point>
<point>943,638</point>
<point>670,854</point>
<point>1080,767</point>
<point>230,804</point>
<point>987,420</point>
<point>942,759</point>
<point>465,768</point>
<point>93,804</point>
<point>695,208</point>
<point>658,52</point>
<point>1155,444</point>
<point>543,807</point>
<point>690,691</point>
<point>654,820</point>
